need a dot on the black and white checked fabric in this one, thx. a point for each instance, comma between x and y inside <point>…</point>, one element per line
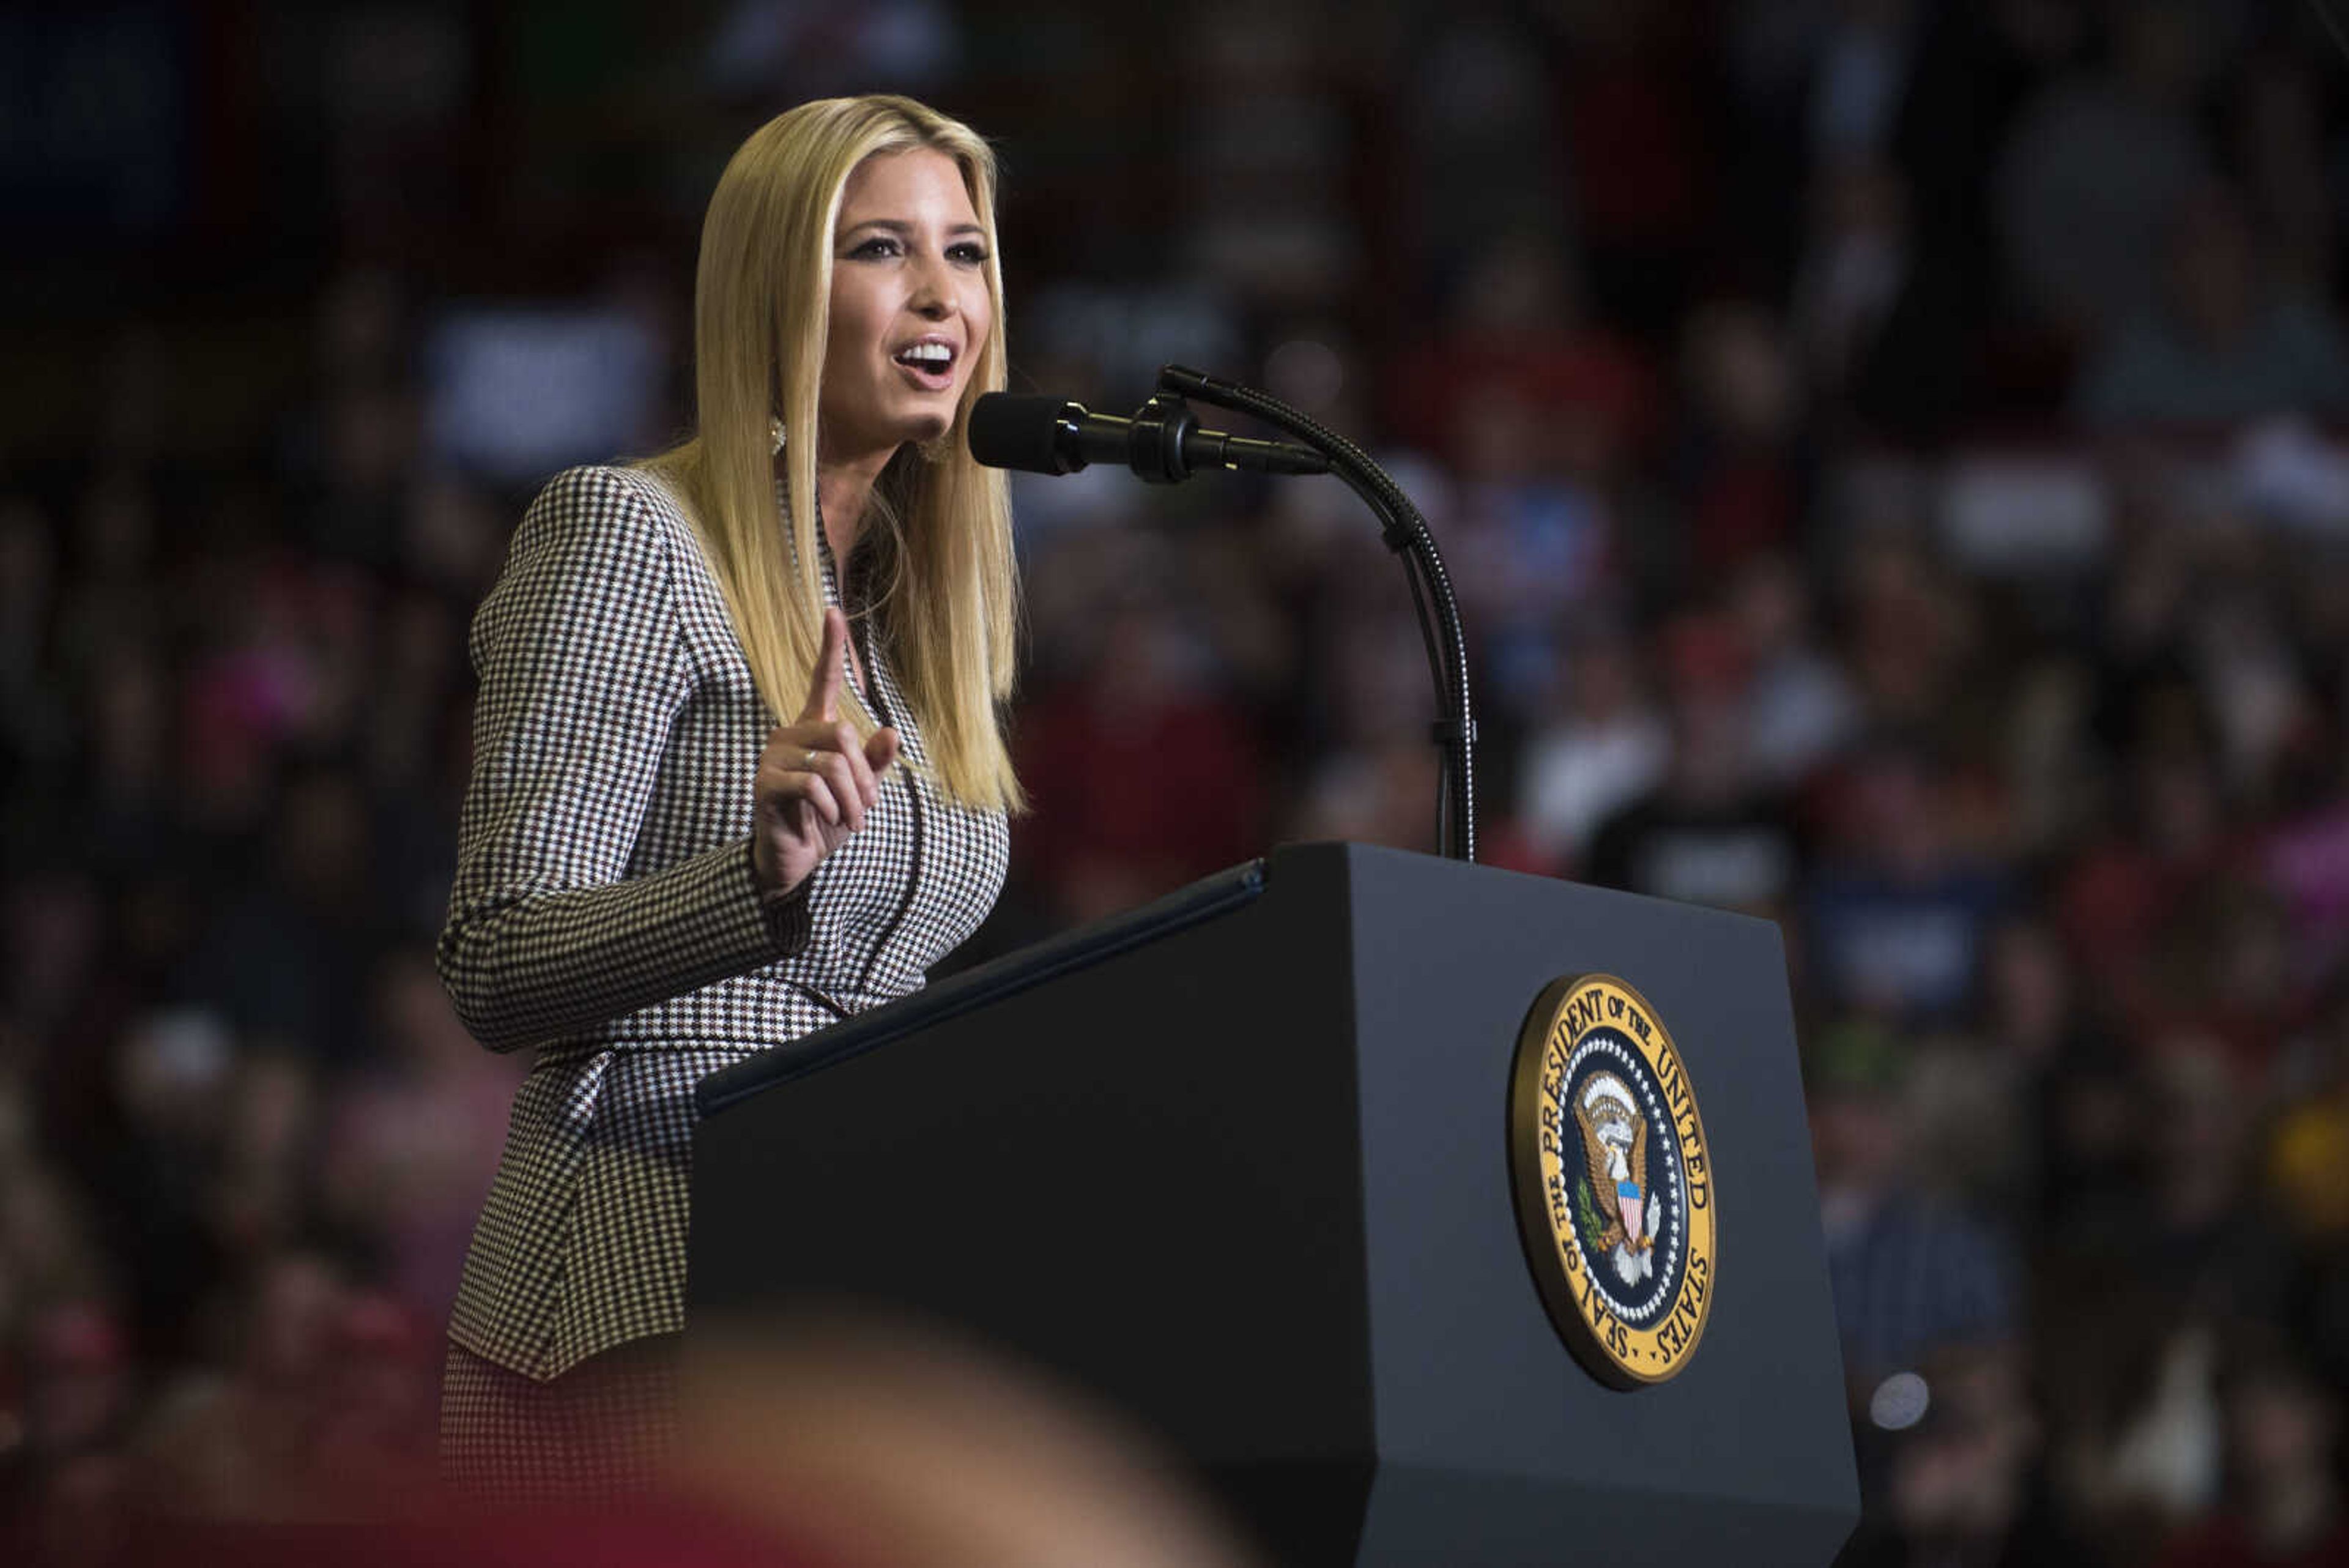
<point>604,910</point>
<point>601,1436</point>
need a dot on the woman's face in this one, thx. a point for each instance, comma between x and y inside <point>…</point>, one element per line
<point>910,310</point>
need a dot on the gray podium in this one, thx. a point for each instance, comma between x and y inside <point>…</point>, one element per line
<point>1240,1164</point>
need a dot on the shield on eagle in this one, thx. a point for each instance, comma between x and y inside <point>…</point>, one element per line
<point>1615,1146</point>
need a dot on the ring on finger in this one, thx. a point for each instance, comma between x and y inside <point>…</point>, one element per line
<point>807,762</point>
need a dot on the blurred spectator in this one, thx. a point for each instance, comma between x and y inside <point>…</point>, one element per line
<point>1520,380</point>
<point>1799,703</point>
<point>1382,793</point>
<point>1710,833</point>
<point>1962,1482</point>
<point>125,777</point>
<point>2075,1089</point>
<point>1897,912</point>
<point>260,1199</point>
<point>1971,1126</point>
<point>1881,322</point>
<point>33,721</point>
<point>285,956</point>
<point>1635,132</point>
<point>2282,1445</point>
<point>50,1252</point>
<point>80,1381</point>
<point>55,920</point>
<point>2201,1232</point>
<point>785,51</point>
<point>1909,629</point>
<point>413,741</point>
<point>1914,1276</point>
<point>113,597</point>
<point>1267,140</point>
<point>2305,1176</point>
<point>1525,553</point>
<point>1608,748</point>
<point>2120,890</point>
<point>2279,144</point>
<point>2097,164</point>
<point>2219,343</point>
<point>413,1139</point>
<point>2306,1153</point>
<point>156,1173</point>
<point>1141,776</point>
<point>1482,143</point>
<point>297,1421</point>
<point>453,538</point>
<point>1738,465</point>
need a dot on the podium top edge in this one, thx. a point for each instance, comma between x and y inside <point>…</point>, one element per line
<point>1016,971</point>
<point>1371,854</point>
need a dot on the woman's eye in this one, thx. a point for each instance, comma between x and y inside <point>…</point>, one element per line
<point>882,247</point>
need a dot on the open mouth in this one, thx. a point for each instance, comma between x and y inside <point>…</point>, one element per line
<point>929,362</point>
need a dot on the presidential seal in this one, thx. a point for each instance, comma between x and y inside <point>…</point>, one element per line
<point>1613,1181</point>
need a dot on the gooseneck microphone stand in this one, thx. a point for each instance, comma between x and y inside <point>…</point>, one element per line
<point>1406,533</point>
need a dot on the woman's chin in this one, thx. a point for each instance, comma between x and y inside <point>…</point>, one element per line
<point>922,424</point>
<point>928,428</point>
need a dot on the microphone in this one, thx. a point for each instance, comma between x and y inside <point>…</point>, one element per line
<point>1039,433</point>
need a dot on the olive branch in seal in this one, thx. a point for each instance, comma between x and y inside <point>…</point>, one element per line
<point>1586,1214</point>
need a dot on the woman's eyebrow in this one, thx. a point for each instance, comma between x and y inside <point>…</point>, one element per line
<point>899,226</point>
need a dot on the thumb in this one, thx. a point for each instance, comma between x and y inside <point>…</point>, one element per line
<point>881,751</point>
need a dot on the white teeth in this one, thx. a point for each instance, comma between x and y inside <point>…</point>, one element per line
<point>926,354</point>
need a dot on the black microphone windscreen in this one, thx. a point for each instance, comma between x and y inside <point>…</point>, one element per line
<point>1015,429</point>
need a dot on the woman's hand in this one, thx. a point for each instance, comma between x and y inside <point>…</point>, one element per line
<point>814,783</point>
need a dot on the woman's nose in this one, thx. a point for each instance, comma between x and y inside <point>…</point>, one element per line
<point>933,295</point>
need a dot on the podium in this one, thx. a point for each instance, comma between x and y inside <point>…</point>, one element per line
<point>1243,1164</point>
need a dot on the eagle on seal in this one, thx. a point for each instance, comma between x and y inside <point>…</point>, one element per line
<point>1614,1144</point>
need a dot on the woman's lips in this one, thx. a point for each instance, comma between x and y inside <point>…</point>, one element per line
<point>937,380</point>
<point>929,362</point>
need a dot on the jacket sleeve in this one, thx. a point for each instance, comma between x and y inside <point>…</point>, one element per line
<point>582,674</point>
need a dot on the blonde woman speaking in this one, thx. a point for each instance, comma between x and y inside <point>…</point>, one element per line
<point>738,766</point>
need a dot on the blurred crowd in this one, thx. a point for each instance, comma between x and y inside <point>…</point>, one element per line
<point>1891,455</point>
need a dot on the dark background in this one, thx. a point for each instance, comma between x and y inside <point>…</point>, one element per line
<point>1889,451</point>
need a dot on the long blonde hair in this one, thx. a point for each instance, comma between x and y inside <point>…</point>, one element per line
<point>760,310</point>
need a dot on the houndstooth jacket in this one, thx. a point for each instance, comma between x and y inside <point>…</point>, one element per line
<point>605,909</point>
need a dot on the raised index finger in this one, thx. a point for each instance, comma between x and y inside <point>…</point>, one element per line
<point>823,686</point>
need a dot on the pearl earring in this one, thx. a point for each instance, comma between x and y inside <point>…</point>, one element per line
<point>775,432</point>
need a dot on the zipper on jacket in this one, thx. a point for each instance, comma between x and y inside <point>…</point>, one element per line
<point>861,629</point>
